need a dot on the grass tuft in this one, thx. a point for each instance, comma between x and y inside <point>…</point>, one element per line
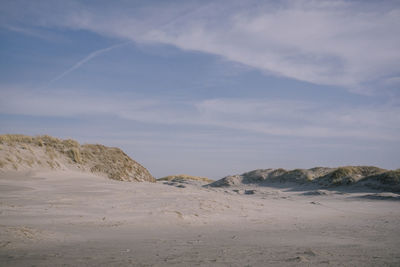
<point>75,155</point>
<point>185,177</point>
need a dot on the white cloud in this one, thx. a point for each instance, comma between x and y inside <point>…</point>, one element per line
<point>304,119</point>
<point>347,43</point>
<point>334,45</point>
<point>263,116</point>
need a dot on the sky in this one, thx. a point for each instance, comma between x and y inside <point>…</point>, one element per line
<point>207,88</point>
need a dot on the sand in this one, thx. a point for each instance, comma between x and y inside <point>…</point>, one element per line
<point>47,153</point>
<point>76,219</point>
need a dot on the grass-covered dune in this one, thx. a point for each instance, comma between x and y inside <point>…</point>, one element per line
<point>369,176</point>
<point>21,152</point>
<point>183,177</point>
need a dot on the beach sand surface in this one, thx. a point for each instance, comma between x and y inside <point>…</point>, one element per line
<point>66,218</point>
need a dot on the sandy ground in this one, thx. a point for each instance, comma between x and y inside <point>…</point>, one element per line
<point>70,218</point>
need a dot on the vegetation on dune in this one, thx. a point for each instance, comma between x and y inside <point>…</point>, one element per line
<point>114,162</point>
<point>298,175</point>
<point>17,151</point>
<point>95,158</point>
<point>185,177</point>
<point>370,176</point>
<point>388,178</point>
<point>75,155</point>
<point>350,174</point>
<point>253,176</point>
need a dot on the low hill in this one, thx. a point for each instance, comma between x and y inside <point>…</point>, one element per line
<point>184,177</point>
<point>369,176</point>
<point>20,152</point>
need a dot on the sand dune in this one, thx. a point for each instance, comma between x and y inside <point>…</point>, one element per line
<point>20,152</point>
<point>75,218</point>
<point>58,207</point>
<point>349,176</point>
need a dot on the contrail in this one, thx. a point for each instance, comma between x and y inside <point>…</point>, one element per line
<point>86,59</point>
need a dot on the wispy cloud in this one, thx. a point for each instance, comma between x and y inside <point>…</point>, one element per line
<point>346,43</point>
<point>325,42</point>
<point>35,32</point>
<point>86,59</point>
<point>276,117</point>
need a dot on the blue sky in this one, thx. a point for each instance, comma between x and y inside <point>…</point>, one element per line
<point>208,88</point>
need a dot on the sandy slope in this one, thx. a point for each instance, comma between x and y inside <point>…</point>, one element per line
<point>22,152</point>
<point>56,218</point>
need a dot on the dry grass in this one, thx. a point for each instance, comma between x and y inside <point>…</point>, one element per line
<point>12,139</point>
<point>75,155</point>
<point>50,152</point>
<point>185,177</point>
<point>42,140</point>
<point>50,163</point>
<point>351,174</point>
<point>19,159</point>
<point>115,163</point>
<point>29,162</point>
<point>370,176</point>
<point>389,178</point>
<point>95,158</point>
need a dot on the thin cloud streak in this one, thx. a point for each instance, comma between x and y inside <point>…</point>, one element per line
<point>86,59</point>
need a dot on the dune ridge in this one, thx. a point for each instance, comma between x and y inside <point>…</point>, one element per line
<point>180,177</point>
<point>71,217</point>
<point>21,152</point>
<point>368,176</point>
